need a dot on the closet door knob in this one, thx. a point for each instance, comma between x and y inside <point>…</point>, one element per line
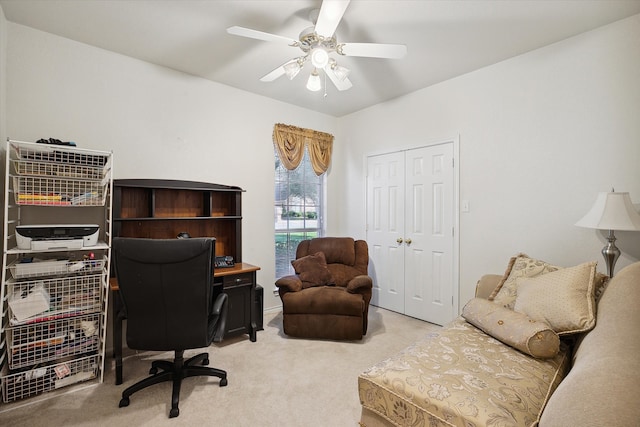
<point>408,241</point>
<point>399,240</point>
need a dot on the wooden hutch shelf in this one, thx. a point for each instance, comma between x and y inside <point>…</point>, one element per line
<point>161,209</point>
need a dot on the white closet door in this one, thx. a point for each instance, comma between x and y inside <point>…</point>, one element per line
<point>385,225</point>
<point>428,236</point>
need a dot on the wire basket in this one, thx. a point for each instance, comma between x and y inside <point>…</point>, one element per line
<point>54,267</point>
<point>44,341</point>
<point>38,380</point>
<point>58,154</point>
<point>33,299</point>
<point>31,190</point>
<point>63,170</point>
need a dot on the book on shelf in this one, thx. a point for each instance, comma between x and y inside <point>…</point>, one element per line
<point>44,202</point>
<point>48,316</point>
<point>25,196</point>
<point>42,199</point>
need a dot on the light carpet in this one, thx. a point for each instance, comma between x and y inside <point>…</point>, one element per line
<point>276,381</point>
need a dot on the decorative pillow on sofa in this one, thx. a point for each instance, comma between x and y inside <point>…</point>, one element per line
<point>563,298</point>
<point>519,266</point>
<point>512,328</point>
<point>312,270</point>
<point>599,285</point>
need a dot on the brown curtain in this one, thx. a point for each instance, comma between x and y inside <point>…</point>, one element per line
<point>290,142</point>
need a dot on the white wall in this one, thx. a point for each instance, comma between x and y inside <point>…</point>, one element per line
<point>3,106</point>
<point>159,123</point>
<point>540,135</point>
<point>3,75</point>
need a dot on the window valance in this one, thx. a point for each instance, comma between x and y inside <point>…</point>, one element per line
<point>290,142</point>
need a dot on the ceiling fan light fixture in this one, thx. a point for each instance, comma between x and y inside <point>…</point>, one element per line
<point>292,69</point>
<point>319,57</point>
<point>314,84</point>
<point>318,44</point>
<point>340,71</point>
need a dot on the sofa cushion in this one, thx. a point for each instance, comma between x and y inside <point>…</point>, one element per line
<point>603,385</point>
<point>312,270</point>
<point>461,376</point>
<point>520,266</point>
<point>563,298</point>
<point>512,328</point>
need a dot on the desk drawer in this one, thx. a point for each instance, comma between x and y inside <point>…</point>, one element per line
<point>242,279</point>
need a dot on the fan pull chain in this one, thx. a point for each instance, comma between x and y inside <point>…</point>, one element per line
<point>325,84</point>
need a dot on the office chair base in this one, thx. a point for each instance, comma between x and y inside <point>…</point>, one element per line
<point>174,371</point>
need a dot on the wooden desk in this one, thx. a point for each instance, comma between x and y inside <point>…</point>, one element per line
<point>238,282</point>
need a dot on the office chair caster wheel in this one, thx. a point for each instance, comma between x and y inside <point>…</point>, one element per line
<point>223,382</point>
<point>205,362</point>
<point>153,371</point>
<point>123,402</point>
<point>174,412</point>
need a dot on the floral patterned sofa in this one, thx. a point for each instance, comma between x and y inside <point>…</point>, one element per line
<point>509,363</point>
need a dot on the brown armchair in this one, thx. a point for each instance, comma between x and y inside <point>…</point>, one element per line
<point>329,295</point>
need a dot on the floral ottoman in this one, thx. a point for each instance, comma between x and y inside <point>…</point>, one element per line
<point>461,376</point>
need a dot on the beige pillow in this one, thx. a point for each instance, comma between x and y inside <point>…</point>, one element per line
<point>512,328</point>
<point>599,285</point>
<point>505,276</point>
<point>564,298</point>
<point>522,266</point>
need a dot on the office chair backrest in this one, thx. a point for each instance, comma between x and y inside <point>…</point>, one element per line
<point>166,287</point>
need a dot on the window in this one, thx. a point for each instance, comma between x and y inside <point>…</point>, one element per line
<point>298,210</point>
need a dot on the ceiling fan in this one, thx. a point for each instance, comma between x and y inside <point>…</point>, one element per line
<point>317,43</point>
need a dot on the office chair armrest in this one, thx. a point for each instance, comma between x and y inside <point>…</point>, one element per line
<point>219,312</point>
<point>360,284</point>
<point>218,304</point>
<point>289,284</point>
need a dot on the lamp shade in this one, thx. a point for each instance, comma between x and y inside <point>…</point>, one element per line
<point>341,72</point>
<point>612,211</point>
<point>314,84</point>
<point>292,69</point>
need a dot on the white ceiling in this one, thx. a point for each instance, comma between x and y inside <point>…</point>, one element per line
<point>444,38</point>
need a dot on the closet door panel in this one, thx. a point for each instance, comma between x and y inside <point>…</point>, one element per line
<point>385,226</point>
<point>430,295</point>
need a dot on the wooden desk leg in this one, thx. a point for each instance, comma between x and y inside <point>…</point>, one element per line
<point>117,335</point>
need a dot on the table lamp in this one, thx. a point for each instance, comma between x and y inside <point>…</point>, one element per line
<point>611,211</point>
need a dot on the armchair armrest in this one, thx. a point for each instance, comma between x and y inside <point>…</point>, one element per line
<point>289,284</point>
<point>360,284</point>
<point>487,284</point>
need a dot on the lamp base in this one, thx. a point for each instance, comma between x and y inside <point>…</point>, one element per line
<point>610,253</point>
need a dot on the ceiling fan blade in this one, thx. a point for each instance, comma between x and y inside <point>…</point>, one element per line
<point>339,84</point>
<point>373,50</point>
<point>283,70</point>
<point>330,15</point>
<point>260,35</point>
<point>278,72</point>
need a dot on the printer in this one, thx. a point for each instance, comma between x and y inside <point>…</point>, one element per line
<point>56,236</point>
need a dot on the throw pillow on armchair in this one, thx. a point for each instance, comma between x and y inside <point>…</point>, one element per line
<point>312,270</point>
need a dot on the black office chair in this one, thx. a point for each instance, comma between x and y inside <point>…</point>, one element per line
<point>167,293</point>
